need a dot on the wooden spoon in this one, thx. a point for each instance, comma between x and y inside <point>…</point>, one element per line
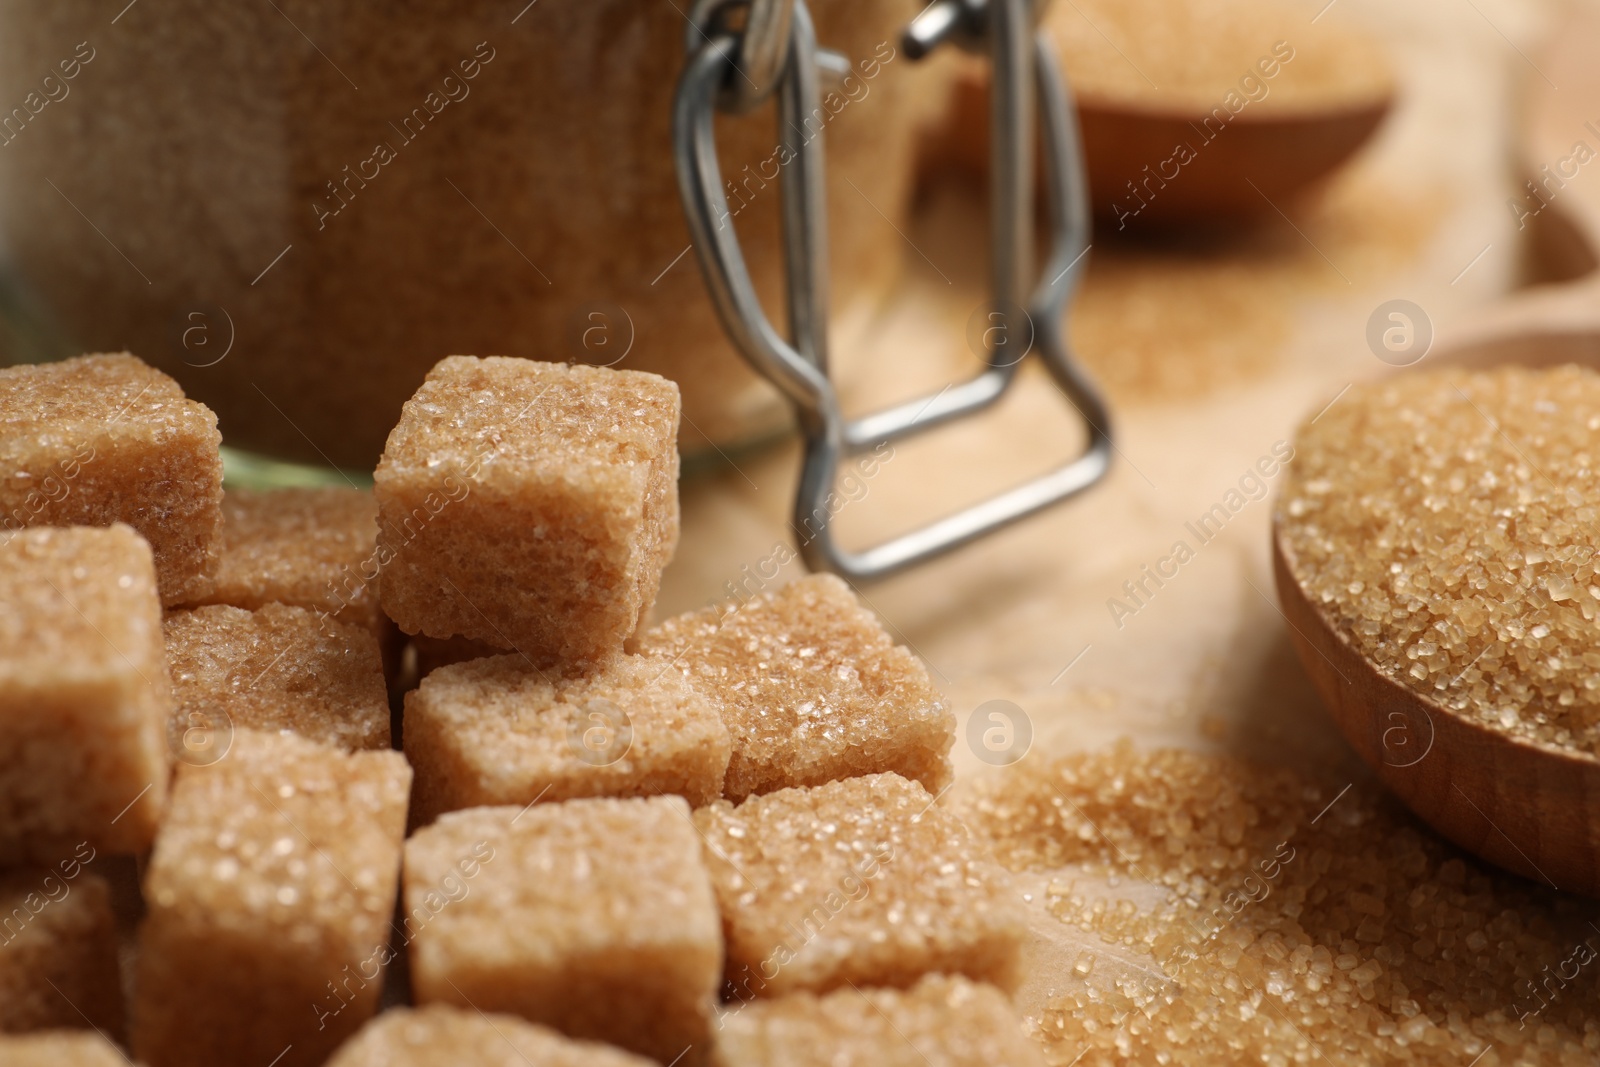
<point>1197,112</point>
<point>1528,808</point>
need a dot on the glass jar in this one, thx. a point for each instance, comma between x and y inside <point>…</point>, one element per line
<point>296,207</point>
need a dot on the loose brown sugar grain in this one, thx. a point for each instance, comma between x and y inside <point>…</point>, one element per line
<point>105,438</point>
<point>1233,297</point>
<point>595,917</point>
<point>1294,921</point>
<point>499,731</point>
<point>60,1049</point>
<point>58,950</point>
<point>311,548</point>
<point>84,692</point>
<point>1169,55</point>
<point>278,668</point>
<point>859,882</point>
<point>269,897</point>
<point>939,1022</point>
<point>812,689</point>
<point>529,505</point>
<point>442,1036</point>
<point>1231,313</point>
<point>1446,523</point>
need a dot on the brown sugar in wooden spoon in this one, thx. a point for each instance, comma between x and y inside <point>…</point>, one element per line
<point>1200,111</point>
<point>1217,110</point>
<point>1434,549</point>
<point>1527,806</point>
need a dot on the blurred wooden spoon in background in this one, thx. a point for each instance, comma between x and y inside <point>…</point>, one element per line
<point>1196,111</point>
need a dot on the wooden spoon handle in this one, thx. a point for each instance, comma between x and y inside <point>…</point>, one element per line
<point>1541,327</point>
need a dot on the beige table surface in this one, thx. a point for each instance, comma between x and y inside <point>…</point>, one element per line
<point>1211,354</point>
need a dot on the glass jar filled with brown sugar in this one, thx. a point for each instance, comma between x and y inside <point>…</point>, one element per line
<point>296,208</point>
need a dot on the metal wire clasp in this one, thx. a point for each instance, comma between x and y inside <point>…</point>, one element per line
<point>1025,76</point>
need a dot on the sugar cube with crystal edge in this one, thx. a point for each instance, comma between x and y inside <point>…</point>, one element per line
<point>812,689</point>
<point>84,693</point>
<point>529,505</point>
<point>58,949</point>
<point>312,548</point>
<point>278,668</point>
<point>499,731</point>
<point>940,1022</point>
<point>269,897</point>
<point>595,917</point>
<point>862,881</point>
<point>442,1036</point>
<point>106,438</point>
<point>58,1048</point>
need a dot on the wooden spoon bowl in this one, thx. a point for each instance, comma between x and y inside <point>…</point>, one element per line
<point>1205,182</point>
<point>1531,809</point>
<point>1159,167</point>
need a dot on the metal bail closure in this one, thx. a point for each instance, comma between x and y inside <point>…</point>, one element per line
<point>1025,77</point>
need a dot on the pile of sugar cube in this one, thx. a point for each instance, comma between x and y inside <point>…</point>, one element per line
<point>404,776</point>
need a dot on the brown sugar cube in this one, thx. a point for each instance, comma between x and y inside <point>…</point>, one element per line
<point>269,897</point>
<point>500,731</point>
<point>58,949</point>
<point>84,694</point>
<point>529,505</point>
<point>424,655</point>
<point>310,547</point>
<point>939,1022</point>
<point>58,1048</point>
<point>812,689</point>
<point>441,1036</point>
<point>595,917</point>
<point>862,881</point>
<point>105,438</point>
<point>278,668</point>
